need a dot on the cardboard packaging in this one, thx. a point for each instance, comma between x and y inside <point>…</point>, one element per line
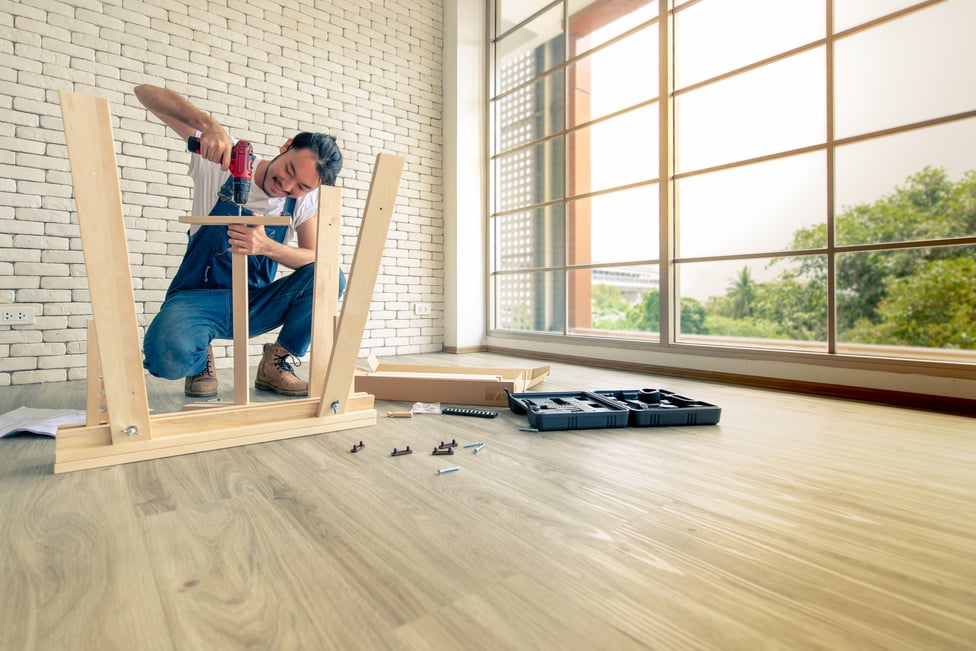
<point>447,384</point>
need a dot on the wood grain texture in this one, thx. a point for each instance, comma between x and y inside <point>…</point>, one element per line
<point>326,285</point>
<point>101,221</point>
<point>242,327</point>
<point>798,522</point>
<point>370,245</point>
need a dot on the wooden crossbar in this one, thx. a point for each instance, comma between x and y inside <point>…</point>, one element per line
<point>131,433</point>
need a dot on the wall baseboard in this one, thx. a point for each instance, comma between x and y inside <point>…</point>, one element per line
<point>461,350</point>
<point>942,404</point>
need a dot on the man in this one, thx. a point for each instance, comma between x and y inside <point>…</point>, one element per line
<point>198,304</point>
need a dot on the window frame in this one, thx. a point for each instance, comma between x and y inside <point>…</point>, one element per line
<point>836,354</point>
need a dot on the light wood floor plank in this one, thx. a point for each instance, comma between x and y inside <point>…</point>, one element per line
<point>796,523</point>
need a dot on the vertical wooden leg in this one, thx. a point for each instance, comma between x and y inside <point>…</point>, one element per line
<point>241,328</point>
<point>96,409</point>
<point>98,200</point>
<point>325,300</point>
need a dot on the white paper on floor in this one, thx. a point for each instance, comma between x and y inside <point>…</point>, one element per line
<point>30,420</point>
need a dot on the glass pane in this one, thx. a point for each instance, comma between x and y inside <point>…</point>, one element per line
<point>529,176</point>
<point>906,187</point>
<point>616,227</point>
<point>511,12</point>
<point>594,22</point>
<point>908,297</point>
<point>615,301</point>
<point>758,208</point>
<point>767,302</point>
<point>530,239</point>
<point>622,150</point>
<point>530,113</point>
<point>711,38</point>
<point>607,81</point>
<point>774,108</point>
<point>881,83</point>
<point>849,13</point>
<point>530,301</point>
<point>529,51</point>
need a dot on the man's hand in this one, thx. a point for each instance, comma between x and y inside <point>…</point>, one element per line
<point>216,146</point>
<point>249,240</point>
<point>254,240</point>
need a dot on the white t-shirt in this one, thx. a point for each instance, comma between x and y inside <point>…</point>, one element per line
<point>208,178</point>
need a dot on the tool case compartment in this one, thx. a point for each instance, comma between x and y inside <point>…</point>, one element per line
<point>662,408</point>
<point>569,410</point>
<point>612,408</point>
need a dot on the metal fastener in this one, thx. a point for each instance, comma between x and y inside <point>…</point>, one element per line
<point>451,469</point>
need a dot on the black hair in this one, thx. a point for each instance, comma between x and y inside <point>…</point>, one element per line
<point>328,157</point>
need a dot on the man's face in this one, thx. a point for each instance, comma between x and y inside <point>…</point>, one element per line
<point>291,173</point>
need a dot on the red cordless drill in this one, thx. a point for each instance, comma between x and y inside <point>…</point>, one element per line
<point>241,167</point>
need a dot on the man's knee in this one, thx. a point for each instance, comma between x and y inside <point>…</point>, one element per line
<point>306,274</point>
<point>172,353</point>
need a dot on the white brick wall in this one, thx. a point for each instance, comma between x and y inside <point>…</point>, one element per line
<point>367,71</point>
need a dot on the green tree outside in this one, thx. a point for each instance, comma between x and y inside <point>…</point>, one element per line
<point>906,296</point>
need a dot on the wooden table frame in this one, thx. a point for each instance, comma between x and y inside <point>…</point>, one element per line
<point>124,431</point>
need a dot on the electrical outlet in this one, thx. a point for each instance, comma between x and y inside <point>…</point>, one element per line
<point>16,314</point>
<point>421,309</point>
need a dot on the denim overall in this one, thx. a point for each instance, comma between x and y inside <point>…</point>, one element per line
<point>199,302</point>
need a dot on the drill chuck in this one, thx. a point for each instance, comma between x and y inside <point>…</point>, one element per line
<point>242,188</point>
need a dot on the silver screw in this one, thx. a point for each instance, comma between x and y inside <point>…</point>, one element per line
<point>451,469</point>
<point>335,407</point>
<point>131,430</point>
<point>479,448</point>
<point>473,445</point>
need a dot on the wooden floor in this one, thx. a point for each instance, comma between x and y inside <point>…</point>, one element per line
<point>796,523</point>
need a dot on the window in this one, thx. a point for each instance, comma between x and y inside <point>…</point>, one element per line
<point>816,197</point>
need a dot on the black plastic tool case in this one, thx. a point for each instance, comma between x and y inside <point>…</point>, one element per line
<point>569,410</point>
<point>615,408</point>
<point>672,409</point>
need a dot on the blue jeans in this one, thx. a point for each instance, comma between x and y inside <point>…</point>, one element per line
<point>175,345</point>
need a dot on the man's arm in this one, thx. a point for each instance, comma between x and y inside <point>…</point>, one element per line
<point>185,119</point>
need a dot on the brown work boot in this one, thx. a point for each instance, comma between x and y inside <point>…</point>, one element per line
<point>276,374</point>
<point>203,384</point>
